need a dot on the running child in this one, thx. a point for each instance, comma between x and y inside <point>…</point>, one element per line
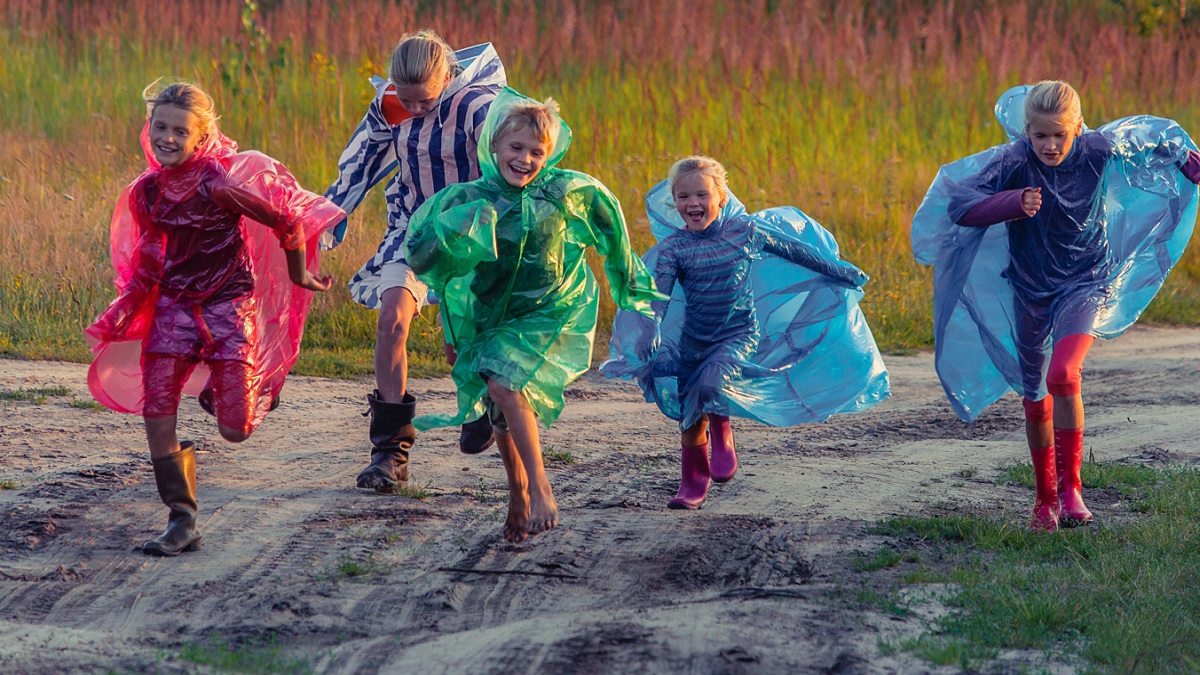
<point>506,253</point>
<point>1087,226</point>
<point>763,323</point>
<point>423,124</point>
<point>204,296</point>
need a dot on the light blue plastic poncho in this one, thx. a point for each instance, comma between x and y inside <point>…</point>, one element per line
<point>519,303</point>
<point>771,340</point>
<point>1090,261</point>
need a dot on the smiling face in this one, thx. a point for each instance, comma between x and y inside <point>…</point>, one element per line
<point>697,200</point>
<point>174,135</point>
<point>1052,137</point>
<point>521,155</point>
<point>420,99</point>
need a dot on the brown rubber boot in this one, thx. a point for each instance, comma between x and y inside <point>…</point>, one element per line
<point>392,434</point>
<point>176,478</point>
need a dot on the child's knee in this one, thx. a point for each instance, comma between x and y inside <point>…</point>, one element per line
<point>233,435</point>
<point>1039,411</point>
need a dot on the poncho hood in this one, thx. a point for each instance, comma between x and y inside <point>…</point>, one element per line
<point>489,165</point>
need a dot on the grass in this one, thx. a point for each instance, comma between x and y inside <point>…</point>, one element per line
<point>799,114</point>
<point>37,396</point>
<point>551,453</point>
<point>1121,595</point>
<point>8,484</point>
<point>265,657</point>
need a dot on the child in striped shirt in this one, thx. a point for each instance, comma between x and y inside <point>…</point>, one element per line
<point>424,124</point>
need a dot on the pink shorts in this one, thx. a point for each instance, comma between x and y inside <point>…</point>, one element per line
<point>213,331</point>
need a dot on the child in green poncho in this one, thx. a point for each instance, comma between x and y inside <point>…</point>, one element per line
<point>506,253</point>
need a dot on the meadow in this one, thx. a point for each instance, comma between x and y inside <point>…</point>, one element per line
<point>843,109</point>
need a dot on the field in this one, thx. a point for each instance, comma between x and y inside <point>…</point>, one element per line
<point>842,109</point>
<point>890,541</point>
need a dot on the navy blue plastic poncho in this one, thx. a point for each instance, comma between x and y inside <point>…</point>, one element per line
<point>1115,218</point>
<point>763,323</point>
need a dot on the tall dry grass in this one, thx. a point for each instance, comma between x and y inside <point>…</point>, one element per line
<point>845,109</point>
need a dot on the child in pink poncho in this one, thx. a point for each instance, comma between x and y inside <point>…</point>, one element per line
<point>207,302</point>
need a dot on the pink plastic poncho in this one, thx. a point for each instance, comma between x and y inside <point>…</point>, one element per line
<point>188,255</point>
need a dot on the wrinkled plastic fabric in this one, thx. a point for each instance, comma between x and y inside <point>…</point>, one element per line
<point>793,348</point>
<point>519,302</point>
<point>1140,213</point>
<point>199,253</point>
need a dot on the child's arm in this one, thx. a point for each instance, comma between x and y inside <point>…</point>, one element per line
<point>1191,168</point>
<point>630,284</point>
<point>369,157</point>
<point>1003,207</point>
<point>300,275</point>
<point>806,256</point>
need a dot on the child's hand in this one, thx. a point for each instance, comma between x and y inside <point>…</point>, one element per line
<point>851,275</point>
<point>314,283</point>
<point>1031,201</point>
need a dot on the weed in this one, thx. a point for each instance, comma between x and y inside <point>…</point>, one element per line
<point>249,657</point>
<point>552,454</point>
<point>36,396</point>
<point>85,404</point>
<point>349,567</point>
<point>8,484</point>
<point>881,559</point>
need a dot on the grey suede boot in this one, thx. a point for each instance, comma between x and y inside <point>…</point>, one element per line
<point>175,476</point>
<point>392,434</point>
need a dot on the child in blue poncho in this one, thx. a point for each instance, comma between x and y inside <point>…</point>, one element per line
<point>763,323</point>
<point>1095,220</point>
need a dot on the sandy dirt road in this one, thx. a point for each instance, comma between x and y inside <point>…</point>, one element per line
<point>352,581</point>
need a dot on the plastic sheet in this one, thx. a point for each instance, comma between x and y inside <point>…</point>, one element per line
<point>519,302</point>
<point>1115,218</point>
<point>188,244</point>
<point>771,340</point>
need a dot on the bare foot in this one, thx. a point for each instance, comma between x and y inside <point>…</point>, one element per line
<point>517,523</point>
<point>543,511</point>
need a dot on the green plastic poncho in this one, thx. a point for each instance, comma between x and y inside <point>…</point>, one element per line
<point>519,302</point>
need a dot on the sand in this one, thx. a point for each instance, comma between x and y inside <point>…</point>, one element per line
<point>351,581</point>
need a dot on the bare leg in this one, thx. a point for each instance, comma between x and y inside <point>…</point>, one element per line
<point>523,431</point>
<point>1040,433</point>
<point>516,524</point>
<point>1068,412</point>
<point>391,343</point>
<point>160,436</point>
<point>697,434</point>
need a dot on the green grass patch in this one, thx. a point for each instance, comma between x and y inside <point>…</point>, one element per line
<point>37,395</point>
<point>267,657</point>
<point>349,567</point>
<point>551,453</point>
<point>85,404</point>
<point>8,484</point>
<point>1122,595</point>
<point>421,492</point>
<point>869,562</point>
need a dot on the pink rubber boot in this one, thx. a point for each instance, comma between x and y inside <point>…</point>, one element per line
<point>693,488</point>
<point>1068,460</point>
<point>1045,507</point>
<point>724,462</point>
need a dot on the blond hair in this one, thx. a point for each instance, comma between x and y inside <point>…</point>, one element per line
<point>421,57</point>
<point>704,166</point>
<point>185,96</point>
<point>1052,99</point>
<point>541,119</point>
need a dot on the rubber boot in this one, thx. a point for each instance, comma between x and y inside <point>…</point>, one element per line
<point>724,462</point>
<point>1045,507</point>
<point>693,488</point>
<point>392,434</point>
<point>476,436</point>
<point>175,476</point>
<point>1068,460</point>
